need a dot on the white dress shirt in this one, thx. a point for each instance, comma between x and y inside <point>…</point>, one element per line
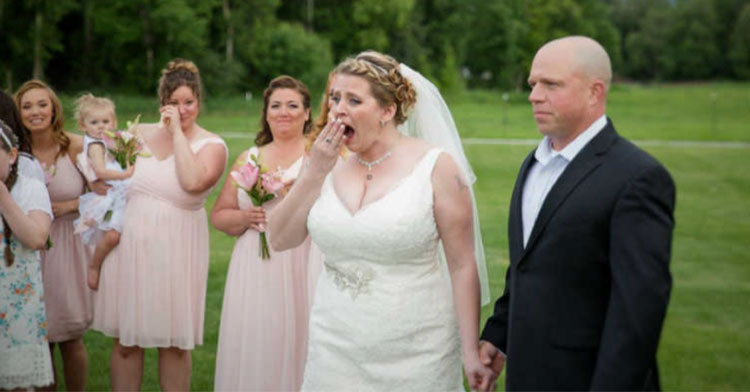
<point>549,165</point>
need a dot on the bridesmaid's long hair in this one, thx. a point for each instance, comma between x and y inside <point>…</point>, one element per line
<point>284,81</point>
<point>8,136</point>
<point>58,135</point>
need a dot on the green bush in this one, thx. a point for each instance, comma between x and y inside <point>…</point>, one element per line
<point>287,49</point>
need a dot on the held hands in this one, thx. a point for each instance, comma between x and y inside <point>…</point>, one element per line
<point>490,356</point>
<point>256,218</point>
<point>170,119</point>
<point>480,377</point>
<point>325,151</point>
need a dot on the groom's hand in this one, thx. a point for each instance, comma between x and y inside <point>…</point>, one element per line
<point>490,356</point>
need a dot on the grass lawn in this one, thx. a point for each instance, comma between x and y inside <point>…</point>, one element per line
<point>706,340</point>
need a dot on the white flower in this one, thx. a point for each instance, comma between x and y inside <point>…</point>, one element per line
<point>126,136</point>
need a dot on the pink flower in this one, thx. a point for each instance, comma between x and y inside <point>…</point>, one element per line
<point>246,175</point>
<point>271,183</point>
<point>109,140</point>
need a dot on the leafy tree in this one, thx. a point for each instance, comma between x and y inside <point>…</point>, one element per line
<point>287,49</point>
<point>647,57</point>
<point>727,12</point>
<point>692,39</point>
<point>639,48</point>
<point>31,36</point>
<point>739,53</point>
<point>549,20</point>
<point>495,43</point>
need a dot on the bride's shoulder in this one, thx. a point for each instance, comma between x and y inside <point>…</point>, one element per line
<point>416,146</point>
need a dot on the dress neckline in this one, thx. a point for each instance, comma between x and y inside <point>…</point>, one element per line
<point>296,165</point>
<point>170,156</point>
<point>394,189</point>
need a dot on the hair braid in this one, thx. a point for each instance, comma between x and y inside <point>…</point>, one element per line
<point>9,182</point>
<point>387,83</point>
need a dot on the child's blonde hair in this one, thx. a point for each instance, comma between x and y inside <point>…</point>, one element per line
<point>87,103</point>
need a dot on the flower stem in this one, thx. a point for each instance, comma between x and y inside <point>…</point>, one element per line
<point>264,252</point>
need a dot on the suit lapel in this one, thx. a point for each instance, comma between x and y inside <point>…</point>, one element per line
<point>515,218</point>
<point>588,159</point>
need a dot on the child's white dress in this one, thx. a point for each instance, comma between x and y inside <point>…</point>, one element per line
<point>100,213</point>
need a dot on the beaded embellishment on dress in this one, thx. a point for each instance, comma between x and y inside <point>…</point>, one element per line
<point>355,279</point>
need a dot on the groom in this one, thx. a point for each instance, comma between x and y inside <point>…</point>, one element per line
<point>590,232</point>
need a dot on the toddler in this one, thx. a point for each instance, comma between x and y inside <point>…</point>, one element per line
<point>101,217</point>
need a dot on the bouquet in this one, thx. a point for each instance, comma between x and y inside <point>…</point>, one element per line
<point>261,186</point>
<point>125,145</point>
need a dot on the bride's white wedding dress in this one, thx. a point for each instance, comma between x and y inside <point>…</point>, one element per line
<point>383,316</point>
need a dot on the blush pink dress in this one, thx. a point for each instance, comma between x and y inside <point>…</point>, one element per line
<point>152,288</point>
<point>67,298</point>
<point>263,334</point>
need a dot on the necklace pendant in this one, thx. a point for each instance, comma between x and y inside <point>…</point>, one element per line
<point>369,176</point>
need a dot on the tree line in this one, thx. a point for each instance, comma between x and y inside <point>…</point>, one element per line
<point>240,45</point>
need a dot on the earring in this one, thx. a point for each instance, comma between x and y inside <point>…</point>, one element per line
<point>382,123</point>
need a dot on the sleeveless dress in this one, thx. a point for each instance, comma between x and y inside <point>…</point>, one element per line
<point>263,333</point>
<point>25,360</point>
<point>100,213</point>
<point>383,316</point>
<point>66,295</point>
<point>152,288</point>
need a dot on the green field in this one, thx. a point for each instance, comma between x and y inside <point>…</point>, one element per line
<point>706,340</point>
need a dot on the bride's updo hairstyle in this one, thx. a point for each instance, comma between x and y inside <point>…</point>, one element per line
<point>387,84</point>
<point>179,72</point>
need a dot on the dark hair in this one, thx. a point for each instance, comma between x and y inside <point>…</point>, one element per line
<point>9,182</point>
<point>179,72</point>
<point>58,135</point>
<point>12,118</point>
<point>284,81</point>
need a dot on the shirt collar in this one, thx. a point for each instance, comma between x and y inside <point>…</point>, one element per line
<point>544,152</point>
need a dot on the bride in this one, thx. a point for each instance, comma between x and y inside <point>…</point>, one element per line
<point>388,313</point>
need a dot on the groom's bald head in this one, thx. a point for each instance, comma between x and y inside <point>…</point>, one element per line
<point>586,55</point>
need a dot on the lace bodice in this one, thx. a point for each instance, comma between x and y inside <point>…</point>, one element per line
<point>383,316</point>
<point>394,236</point>
<point>398,227</point>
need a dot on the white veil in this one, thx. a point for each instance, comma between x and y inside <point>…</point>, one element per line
<point>431,120</point>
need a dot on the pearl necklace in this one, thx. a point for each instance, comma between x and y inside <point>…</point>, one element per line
<point>372,164</point>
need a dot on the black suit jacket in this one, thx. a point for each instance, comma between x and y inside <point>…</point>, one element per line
<point>585,300</point>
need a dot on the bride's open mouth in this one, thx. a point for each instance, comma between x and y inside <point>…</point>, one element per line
<point>348,132</point>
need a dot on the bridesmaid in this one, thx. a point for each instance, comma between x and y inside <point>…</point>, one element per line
<point>66,297</point>
<point>153,284</point>
<point>263,333</point>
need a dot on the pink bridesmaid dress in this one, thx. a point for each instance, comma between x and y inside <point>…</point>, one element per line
<point>152,288</point>
<point>263,332</point>
<point>66,296</point>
